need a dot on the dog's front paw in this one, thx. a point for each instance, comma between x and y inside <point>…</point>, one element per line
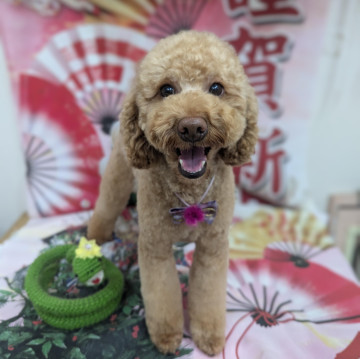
<point>208,339</point>
<point>167,342</point>
<point>166,337</point>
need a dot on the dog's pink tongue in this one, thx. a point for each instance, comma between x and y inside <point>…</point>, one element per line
<point>192,160</point>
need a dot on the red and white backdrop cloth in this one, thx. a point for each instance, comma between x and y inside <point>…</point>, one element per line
<point>291,294</point>
<point>71,63</point>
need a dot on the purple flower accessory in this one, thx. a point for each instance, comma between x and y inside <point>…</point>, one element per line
<point>192,214</point>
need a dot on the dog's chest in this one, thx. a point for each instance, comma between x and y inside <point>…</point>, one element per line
<point>156,207</point>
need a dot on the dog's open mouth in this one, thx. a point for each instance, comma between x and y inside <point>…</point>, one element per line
<point>192,162</point>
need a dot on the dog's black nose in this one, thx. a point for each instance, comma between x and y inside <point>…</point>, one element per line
<point>192,129</point>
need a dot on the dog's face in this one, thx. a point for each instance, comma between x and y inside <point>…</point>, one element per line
<point>191,103</point>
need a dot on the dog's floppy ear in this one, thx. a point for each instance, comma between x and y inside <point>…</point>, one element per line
<point>241,152</point>
<point>139,151</point>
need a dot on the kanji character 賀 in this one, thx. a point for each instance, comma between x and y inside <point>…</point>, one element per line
<point>260,56</point>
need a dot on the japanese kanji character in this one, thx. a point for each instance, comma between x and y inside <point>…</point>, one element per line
<point>266,171</point>
<point>260,56</point>
<point>265,11</point>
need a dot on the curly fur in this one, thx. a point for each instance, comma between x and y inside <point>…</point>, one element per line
<point>147,150</point>
<point>157,119</point>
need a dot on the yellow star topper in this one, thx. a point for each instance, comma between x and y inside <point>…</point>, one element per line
<point>87,249</point>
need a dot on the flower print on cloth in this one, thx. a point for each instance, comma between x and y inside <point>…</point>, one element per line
<point>277,310</point>
<point>279,235</point>
<point>89,68</point>
<point>61,149</point>
<point>127,226</point>
<point>96,62</point>
<point>173,16</point>
<point>352,351</point>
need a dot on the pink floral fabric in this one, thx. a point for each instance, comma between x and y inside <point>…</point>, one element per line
<point>294,301</point>
<point>302,302</point>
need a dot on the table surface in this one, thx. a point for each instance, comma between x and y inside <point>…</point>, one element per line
<point>20,222</point>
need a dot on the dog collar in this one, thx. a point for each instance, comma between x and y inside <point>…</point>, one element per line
<point>193,214</point>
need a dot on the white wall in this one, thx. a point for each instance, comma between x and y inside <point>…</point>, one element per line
<point>12,168</point>
<point>334,147</point>
<point>334,144</point>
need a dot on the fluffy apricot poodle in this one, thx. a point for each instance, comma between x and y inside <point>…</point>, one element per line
<point>190,115</point>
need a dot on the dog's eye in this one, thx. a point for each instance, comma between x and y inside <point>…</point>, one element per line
<point>216,89</point>
<point>167,90</point>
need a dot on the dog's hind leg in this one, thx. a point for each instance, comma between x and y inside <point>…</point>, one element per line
<point>115,189</point>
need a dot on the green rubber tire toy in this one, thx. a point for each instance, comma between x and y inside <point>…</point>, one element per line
<point>71,313</point>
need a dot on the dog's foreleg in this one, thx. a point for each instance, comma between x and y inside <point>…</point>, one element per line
<point>115,189</point>
<point>160,288</point>
<point>207,294</point>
